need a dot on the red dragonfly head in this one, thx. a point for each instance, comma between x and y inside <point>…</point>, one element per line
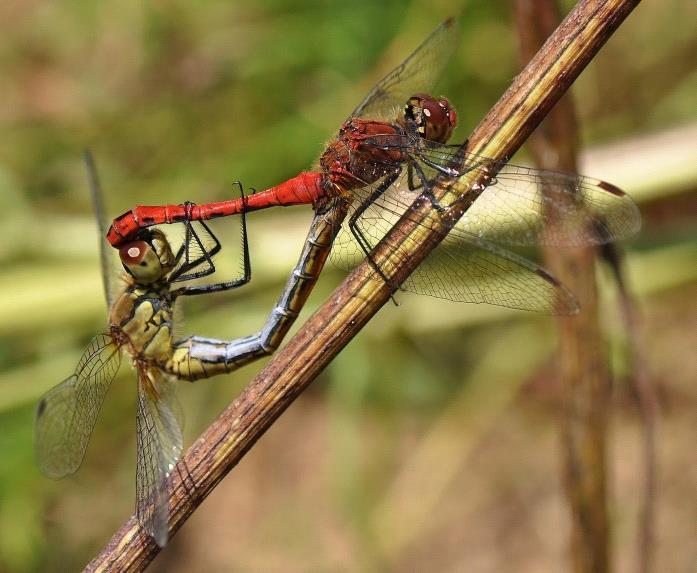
<point>433,118</point>
<point>149,258</point>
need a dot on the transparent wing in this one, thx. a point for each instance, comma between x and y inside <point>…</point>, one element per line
<point>463,268</point>
<point>482,272</point>
<point>159,447</point>
<point>418,73</point>
<point>66,414</point>
<point>106,253</point>
<point>526,206</point>
<point>523,205</point>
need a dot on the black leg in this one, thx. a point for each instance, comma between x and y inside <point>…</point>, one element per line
<point>186,270</point>
<point>227,285</point>
<point>182,271</point>
<point>449,171</point>
<point>412,183</point>
<point>191,236</point>
<point>427,186</point>
<point>353,221</point>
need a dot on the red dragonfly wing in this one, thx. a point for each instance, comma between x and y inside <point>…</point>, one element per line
<point>528,206</point>
<point>417,73</point>
<point>520,204</point>
<point>463,268</point>
<point>159,447</point>
<point>66,414</point>
<point>468,266</point>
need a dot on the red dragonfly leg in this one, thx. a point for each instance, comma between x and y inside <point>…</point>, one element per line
<point>302,189</point>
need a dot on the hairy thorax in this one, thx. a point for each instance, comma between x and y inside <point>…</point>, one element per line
<point>363,152</point>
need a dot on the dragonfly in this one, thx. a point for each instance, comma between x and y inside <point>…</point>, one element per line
<point>141,323</point>
<point>386,157</point>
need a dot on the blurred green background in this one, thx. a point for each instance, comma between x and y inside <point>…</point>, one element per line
<point>430,444</point>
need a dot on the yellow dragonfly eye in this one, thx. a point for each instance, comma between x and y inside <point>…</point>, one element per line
<point>141,261</point>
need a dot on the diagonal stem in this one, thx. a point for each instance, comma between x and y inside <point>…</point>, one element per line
<point>534,91</point>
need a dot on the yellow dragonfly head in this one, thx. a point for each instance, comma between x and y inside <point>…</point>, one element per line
<point>148,259</point>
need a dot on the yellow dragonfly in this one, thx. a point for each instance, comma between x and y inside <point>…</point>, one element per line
<point>141,325</point>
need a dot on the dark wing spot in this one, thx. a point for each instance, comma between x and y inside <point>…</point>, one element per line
<point>610,188</point>
<point>548,277</point>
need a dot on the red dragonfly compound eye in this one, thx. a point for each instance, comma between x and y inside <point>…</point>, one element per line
<point>434,118</point>
<point>452,114</point>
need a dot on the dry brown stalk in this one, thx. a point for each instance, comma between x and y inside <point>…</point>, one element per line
<point>358,298</point>
<point>649,409</point>
<point>582,365</point>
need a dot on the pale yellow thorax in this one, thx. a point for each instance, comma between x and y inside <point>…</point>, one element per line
<point>142,317</point>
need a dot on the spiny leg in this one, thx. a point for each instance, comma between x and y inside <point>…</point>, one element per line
<point>206,253</point>
<point>358,213</point>
<point>412,183</point>
<point>427,186</point>
<point>182,271</point>
<point>246,263</point>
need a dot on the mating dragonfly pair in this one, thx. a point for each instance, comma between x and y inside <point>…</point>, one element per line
<point>379,165</point>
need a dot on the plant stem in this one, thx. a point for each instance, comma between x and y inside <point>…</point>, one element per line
<point>585,377</point>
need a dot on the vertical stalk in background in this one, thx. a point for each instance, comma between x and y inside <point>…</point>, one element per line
<point>648,405</point>
<point>582,359</point>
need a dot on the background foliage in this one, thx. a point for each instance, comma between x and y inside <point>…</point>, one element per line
<point>179,99</point>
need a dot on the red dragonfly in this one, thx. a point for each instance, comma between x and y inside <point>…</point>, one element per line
<point>382,161</point>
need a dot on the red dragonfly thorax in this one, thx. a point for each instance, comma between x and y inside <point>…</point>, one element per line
<point>367,150</point>
<point>352,160</point>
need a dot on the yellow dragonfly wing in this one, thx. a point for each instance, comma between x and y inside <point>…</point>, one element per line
<point>66,414</point>
<point>159,447</point>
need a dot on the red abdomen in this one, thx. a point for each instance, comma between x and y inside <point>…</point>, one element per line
<point>305,188</point>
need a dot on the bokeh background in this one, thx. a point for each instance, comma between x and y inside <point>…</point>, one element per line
<point>431,442</point>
